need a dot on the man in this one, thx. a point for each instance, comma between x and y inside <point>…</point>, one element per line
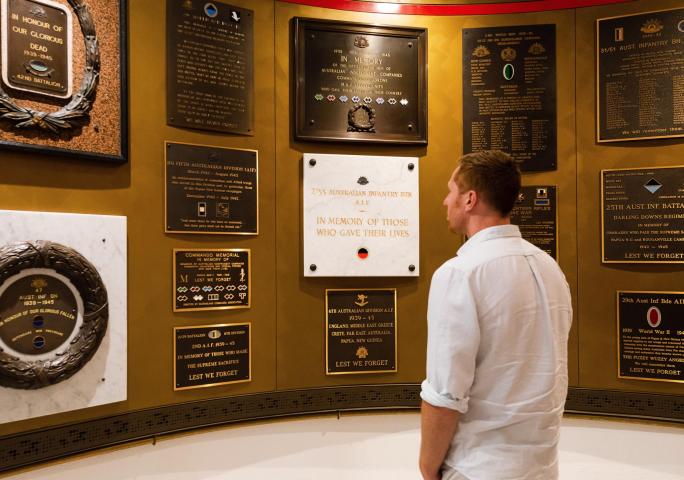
<point>499,314</point>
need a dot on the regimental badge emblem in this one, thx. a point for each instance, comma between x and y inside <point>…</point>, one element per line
<point>653,185</point>
<point>680,26</point>
<point>654,317</point>
<point>319,96</point>
<point>619,34</point>
<point>187,4</point>
<point>361,42</point>
<point>521,197</point>
<point>368,100</point>
<point>508,71</point>
<point>536,49</point>
<point>392,101</point>
<point>356,99</point>
<point>361,299</point>
<point>344,98</point>
<point>361,352</point>
<point>481,51</point>
<point>508,54</point>
<point>542,192</point>
<point>39,283</point>
<point>362,181</point>
<point>210,10</point>
<point>652,25</point>
<point>331,98</point>
<point>235,16</point>
<point>38,11</point>
<point>379,100</point>
<point>403,101</point>
<point>361,118</point>
<point>214,334</point>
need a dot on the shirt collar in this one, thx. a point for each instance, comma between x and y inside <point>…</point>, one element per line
<point>489,233</point>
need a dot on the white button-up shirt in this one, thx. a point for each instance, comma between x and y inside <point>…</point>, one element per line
<point>499,314</point>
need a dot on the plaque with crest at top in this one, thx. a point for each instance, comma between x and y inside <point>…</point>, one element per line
<point>360,83</point>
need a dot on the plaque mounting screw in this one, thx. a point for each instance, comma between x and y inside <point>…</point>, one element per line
<point>410,126</point>
<point>412,268</point>
<point>312,36</point>
<point>311,122</point>
<point>313,267</point>
<point>410,44</point>
<point>411,166</point>
<point>312,162</point>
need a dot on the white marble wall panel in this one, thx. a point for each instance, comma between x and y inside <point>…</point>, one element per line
<point>357,202</point>
<point>102,240</point>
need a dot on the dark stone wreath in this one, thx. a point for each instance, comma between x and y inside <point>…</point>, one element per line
<point>26,374</point>
<point>81,103</point>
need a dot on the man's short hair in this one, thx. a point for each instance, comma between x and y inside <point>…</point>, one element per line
<point>494,175</point>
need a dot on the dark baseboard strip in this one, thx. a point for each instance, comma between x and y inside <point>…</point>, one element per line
<point>39,446</point>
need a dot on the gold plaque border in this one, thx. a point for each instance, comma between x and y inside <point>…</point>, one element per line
<point>617,343</point>
<point>166,152</point>
<point>396,331</point>
<point>598,75</point>
<point>176,329</point>
<point>206,309</point>
<point>603,243</point>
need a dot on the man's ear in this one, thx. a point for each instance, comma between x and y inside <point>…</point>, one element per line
<point>471,200</point>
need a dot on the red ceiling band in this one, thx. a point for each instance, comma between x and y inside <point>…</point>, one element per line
<point>453,9</point>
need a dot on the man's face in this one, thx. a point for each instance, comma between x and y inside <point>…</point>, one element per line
<point>455,203</point>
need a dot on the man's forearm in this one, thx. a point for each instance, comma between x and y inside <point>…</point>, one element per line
<point>438,427</point>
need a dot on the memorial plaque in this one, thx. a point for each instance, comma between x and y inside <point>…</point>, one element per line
<point>509,93</point>
<point>38,313</point>
<point>212,355</point>
<point>211,190</point>
<point>211,279</point>
<point>37,47</point>
<point>536,214</point>
<point>640,69</point>
<point>361,331</point>
<point>362,83</point>
<point>210,66</point>
<point>651,335</point>
<point>643,215</point>
<point>361,216</point>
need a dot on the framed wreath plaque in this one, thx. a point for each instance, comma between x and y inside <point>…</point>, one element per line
<point>63,88</point>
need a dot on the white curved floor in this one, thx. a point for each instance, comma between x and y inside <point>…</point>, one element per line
<point>363,446</point>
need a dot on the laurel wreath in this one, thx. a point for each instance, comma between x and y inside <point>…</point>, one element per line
<point>81,103</point>
<point>32,374</point>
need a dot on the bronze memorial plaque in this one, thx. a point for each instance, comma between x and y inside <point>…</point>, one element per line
<point>361,331</point>
<point>536,214</point>
<point>643,215</point>
<point>640,70</point>
<point>211,279</point>
<point>37,314</point>
<point>358,82</point>
<point>509,93</point>
<point>212,355</point>
<point>650,332</point>
<point>37,47</point>
<point>210,66</point>
<point>211,190</point>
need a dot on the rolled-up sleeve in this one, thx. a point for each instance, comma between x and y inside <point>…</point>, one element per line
<point>453,340</point>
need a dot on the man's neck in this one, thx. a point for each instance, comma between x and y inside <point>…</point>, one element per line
<point>478,223</point>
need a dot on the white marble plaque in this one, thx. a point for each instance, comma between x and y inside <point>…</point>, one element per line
<point>102,240</point>
<point>360,216</point>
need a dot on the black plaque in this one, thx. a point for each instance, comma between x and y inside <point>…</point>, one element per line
<point>651,335</point>
<point>643,215</point>
<point>358,82</point>
<point>361,331</point>
<point>38,314</point>
<point>211,190</point>
<point>211,279</point>
<point>210,66</point>
<point>36,47</point>
<point>212,355</point>
<point>509,93</point>
<point>640,71</point>
<point>535,213</point>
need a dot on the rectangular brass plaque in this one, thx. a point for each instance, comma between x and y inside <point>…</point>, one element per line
<point>36,47</point>
<point>536,214</point>
<point>212,355</point>
<point>211,190</point>
<point>640,76</point>
<point>642,219</point>
<point>361,331</point>
<point>509,93</point>
<point>210,66</point>
<point>361,83</point>
<point>211,279</point>
<point>650,332</point>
